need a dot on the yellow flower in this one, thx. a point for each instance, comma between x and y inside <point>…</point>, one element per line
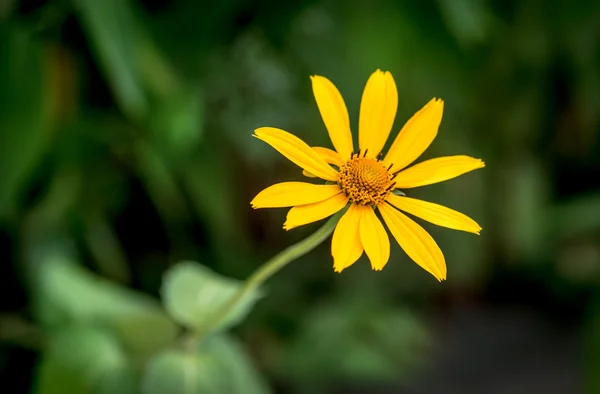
<point>368,180</point>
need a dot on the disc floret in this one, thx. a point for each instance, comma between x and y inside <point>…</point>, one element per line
<point>365,180</point>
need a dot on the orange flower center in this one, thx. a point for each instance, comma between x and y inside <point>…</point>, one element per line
<point>365,180</point>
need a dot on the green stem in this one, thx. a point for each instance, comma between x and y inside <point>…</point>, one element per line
<point>267,270</point>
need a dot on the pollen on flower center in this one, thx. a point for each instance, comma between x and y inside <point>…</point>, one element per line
<point>365,180</point>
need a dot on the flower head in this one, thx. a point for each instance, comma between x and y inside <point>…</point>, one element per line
<point>366,180</point>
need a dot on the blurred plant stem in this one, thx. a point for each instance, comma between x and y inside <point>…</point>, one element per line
<point>14,329</point>
<point>263,273</point>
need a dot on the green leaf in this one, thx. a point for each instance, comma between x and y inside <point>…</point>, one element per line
<point>233,359</point>
<point>81,360</point>
<point>152,95</point>
<point>177,372</point>
<point>66,292</point>
<point>219,365</point>
<point>193,295</point>
<point>145,85</point>
<point>25,111</point>
<point>112,28</point>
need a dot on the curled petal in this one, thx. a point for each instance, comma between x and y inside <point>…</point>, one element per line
<point>297,151</point>
<point>330,156</point>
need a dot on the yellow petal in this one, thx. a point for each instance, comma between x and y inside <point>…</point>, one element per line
<point>436,170</point>
<point>309,213</point>
<point>346,247</point>
<point>334,113</point>
<point>415,241</point>
<point>289,194</point>
<point>434,213</point>
<point>374,238</point>
<point>330,156</point>
<point>416,135</point>
<point>297,151</point>
<point>377,112</point>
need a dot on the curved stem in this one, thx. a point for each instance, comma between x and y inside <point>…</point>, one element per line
<point>267,270</point>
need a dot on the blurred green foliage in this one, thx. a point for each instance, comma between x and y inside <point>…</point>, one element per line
<point>356,339</point>
<point>125,147</point>
<point>64,293</point>
<point>220,365</point>
<point>85,360</point>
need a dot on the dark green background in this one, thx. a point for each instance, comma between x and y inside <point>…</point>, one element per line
<point>125,138</point>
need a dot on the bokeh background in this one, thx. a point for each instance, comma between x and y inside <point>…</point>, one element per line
<point>125,147</point>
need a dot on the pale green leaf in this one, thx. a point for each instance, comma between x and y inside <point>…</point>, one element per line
<point>233,359</point>
<point>194,295</point>
<point>66,292</point>
<point>81,360</point>
<point>177,372</point>
<point>219,365</point>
